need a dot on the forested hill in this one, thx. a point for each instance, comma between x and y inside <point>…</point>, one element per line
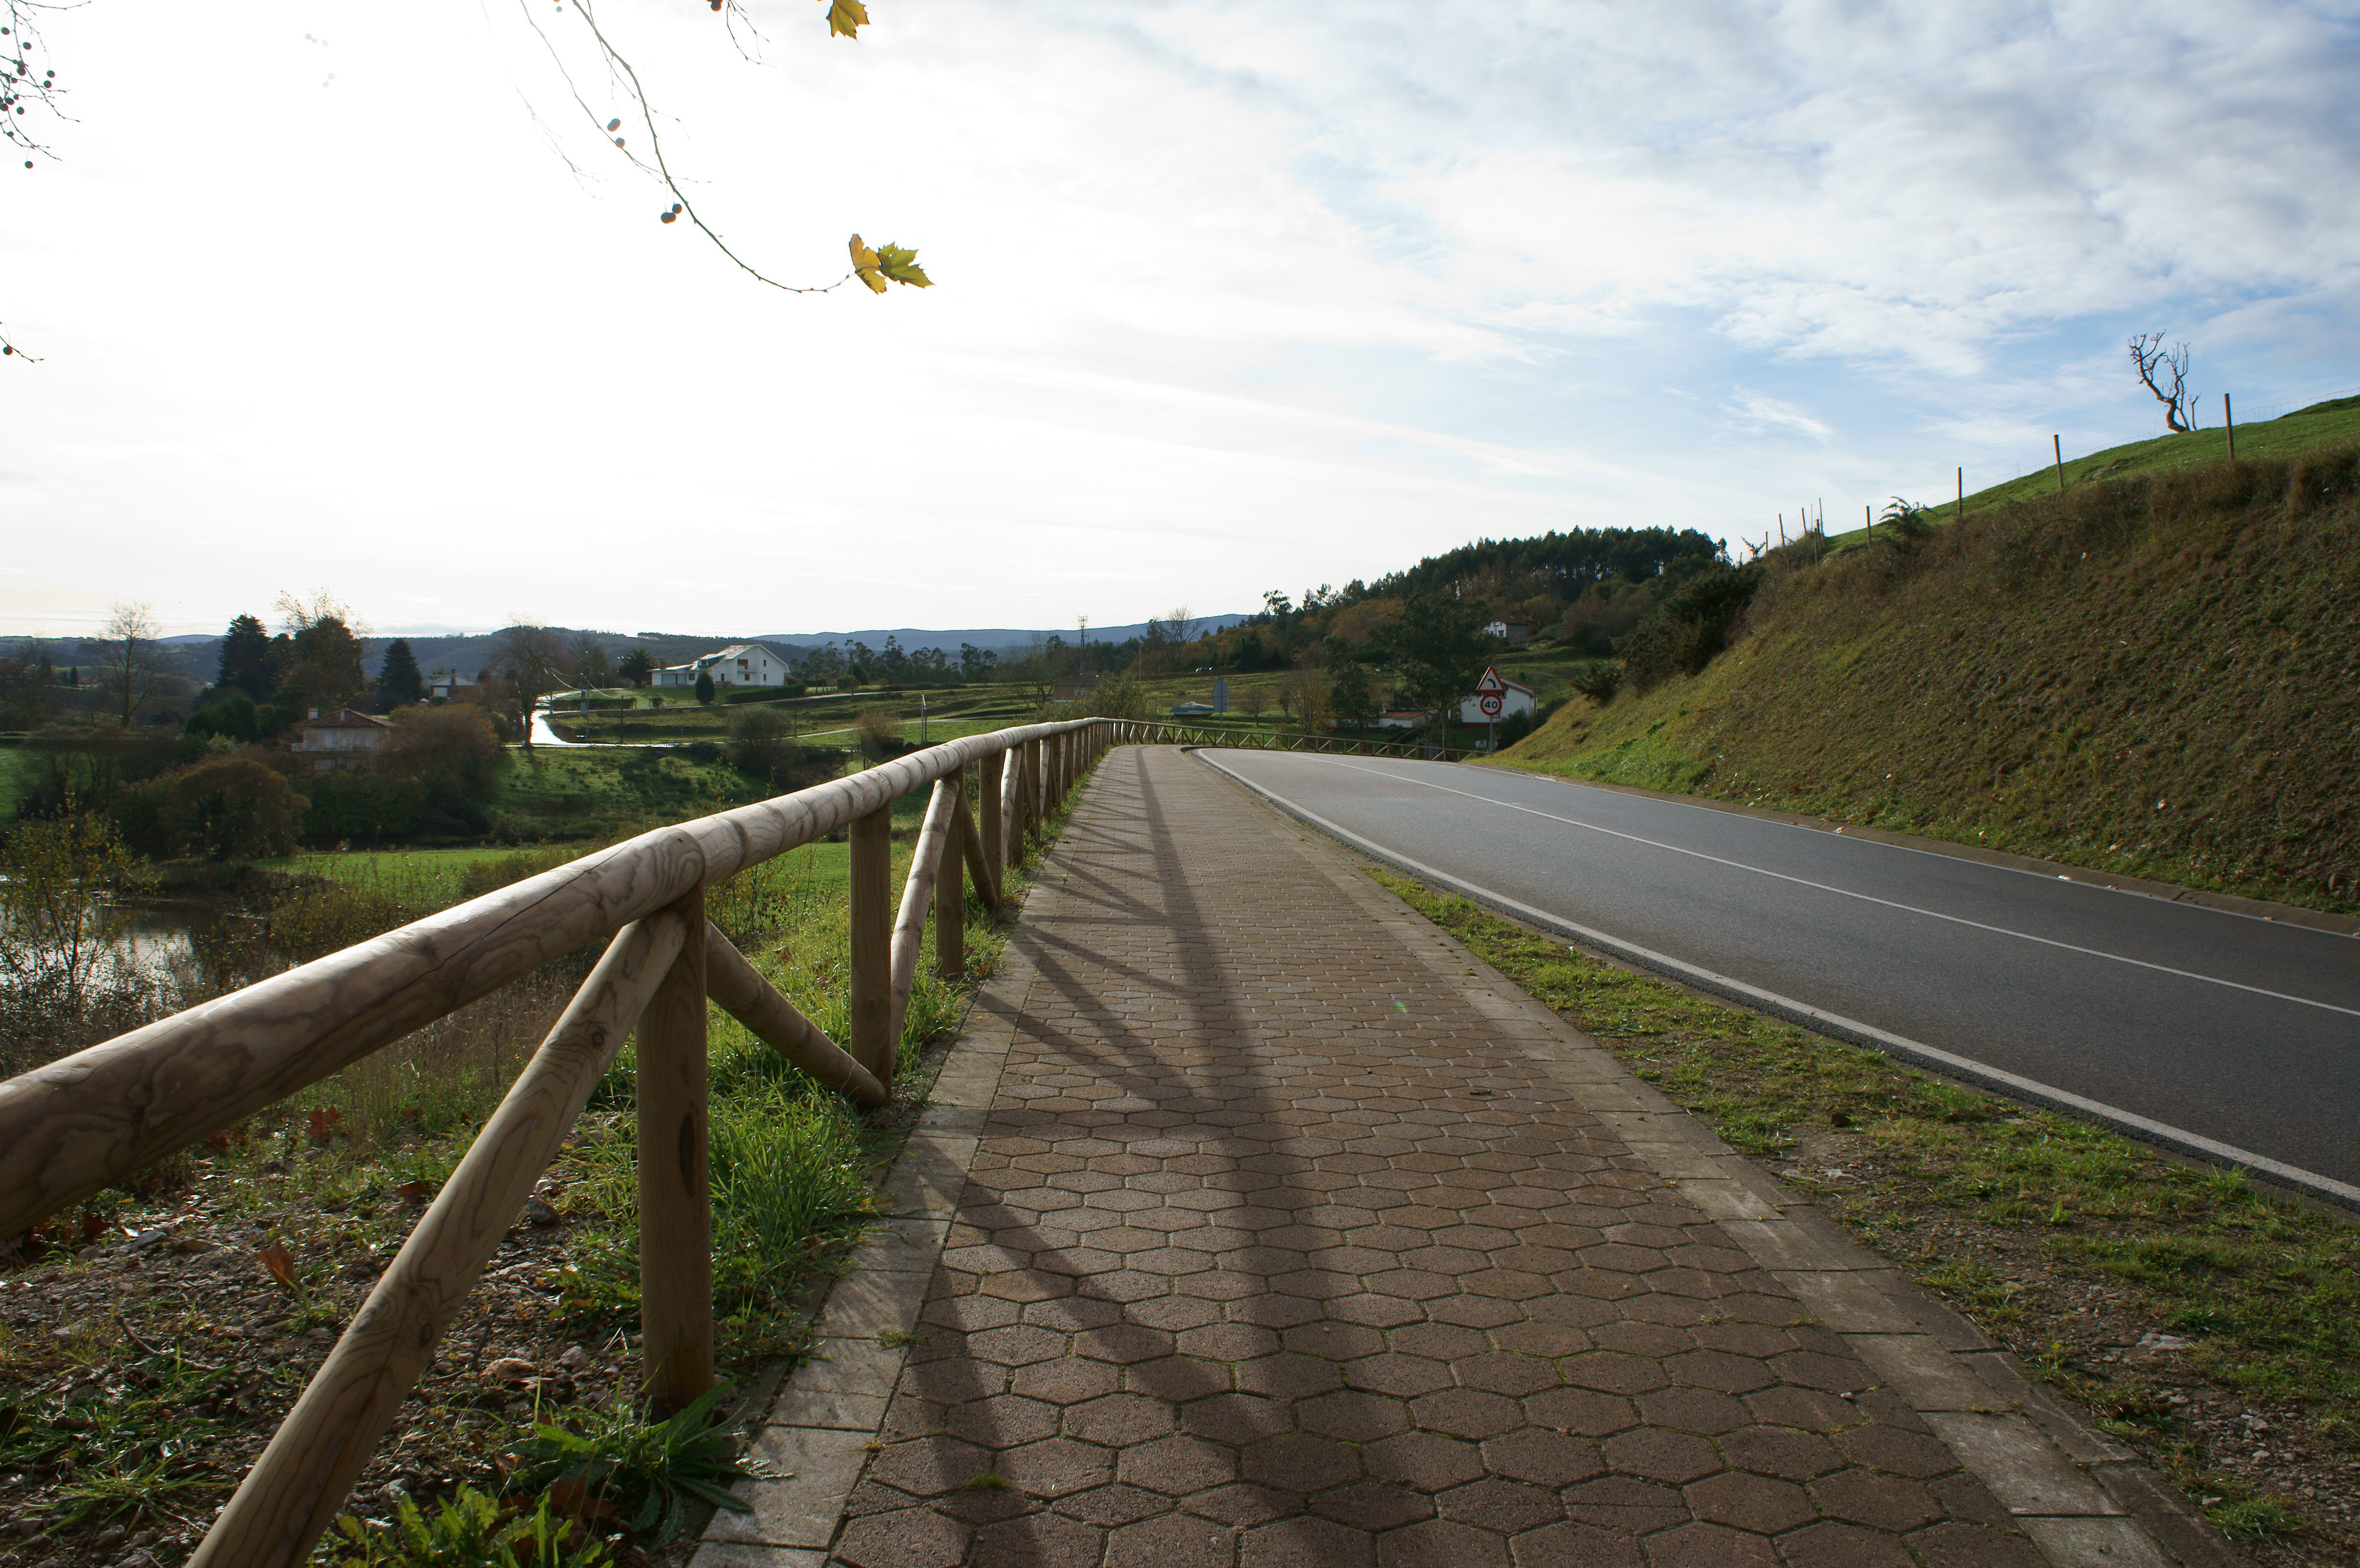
<point>1564,563</point>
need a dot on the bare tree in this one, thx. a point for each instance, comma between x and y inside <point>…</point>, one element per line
<point>2165,372</point>
<point>1182,625</point>
<point>535,660</point>
<point>138,667</point>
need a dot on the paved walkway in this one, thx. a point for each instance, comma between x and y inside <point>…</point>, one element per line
<point>1284,1236</point>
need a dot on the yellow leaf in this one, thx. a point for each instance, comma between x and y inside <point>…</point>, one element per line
<point>846,18</point>
<point>863,264</point>
<point>902,267</point>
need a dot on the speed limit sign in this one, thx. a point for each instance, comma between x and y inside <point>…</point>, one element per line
<point>1490,702</point>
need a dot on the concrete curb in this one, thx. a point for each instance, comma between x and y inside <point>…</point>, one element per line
<point>2084,1498</point>
<point>2145,888</point>
<point>818,1433</point>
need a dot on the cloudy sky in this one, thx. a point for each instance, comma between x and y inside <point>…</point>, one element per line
<point>1229,297</point>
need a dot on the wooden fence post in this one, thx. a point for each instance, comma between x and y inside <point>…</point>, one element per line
<point>872,943</point>
<point>1033,792</point>
<point>950,888</point>
<point>2229,417</point>
<point>2056,446</point>
<point>994,828</point>
<point>675,1181</point>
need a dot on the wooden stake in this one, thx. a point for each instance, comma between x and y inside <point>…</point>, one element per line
<point>950,886</point>
<point>781,1025</point>
<point>675,1181</point>
<point>2057,445</point>
<point>1962,495</point>
<point>872,1042</point>
<point>2229,417</point>
<point>990,772</point>
<point>299,1484</point>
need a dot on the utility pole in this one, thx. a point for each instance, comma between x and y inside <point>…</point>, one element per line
<point>1083,678</point>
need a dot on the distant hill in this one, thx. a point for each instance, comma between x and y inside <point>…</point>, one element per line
<point>196,656</point>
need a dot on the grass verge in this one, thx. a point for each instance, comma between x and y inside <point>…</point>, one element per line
<point>2213,1326</point>
<point>152,1342</point>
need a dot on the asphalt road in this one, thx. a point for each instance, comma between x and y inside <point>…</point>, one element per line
<point>2227,1034</point>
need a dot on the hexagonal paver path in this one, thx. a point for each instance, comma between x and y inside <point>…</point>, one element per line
<point>1277,1251</point>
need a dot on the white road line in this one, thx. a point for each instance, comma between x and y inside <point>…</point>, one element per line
<point>1820,1018</point>
<point>1865,897</point>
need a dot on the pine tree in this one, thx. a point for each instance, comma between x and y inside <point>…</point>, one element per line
<point>704,687</point>
<point>399,682</point>
<point>245,657</point>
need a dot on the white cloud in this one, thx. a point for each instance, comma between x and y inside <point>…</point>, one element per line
<point>1229,295</point>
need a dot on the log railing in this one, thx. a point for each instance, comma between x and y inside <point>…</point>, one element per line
<point>1151,732</point>
<point>98,1116</point>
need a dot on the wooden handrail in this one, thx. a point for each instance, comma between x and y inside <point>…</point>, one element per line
<point>300,1479</point>
<point>87,1120</point>
<point>100,1115</point>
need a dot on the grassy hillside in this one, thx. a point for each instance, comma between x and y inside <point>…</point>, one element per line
<point>2156,675</point>
<point>2335,423</point>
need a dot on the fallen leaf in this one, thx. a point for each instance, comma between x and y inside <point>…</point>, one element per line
<point>410,1191</point>
<point>279,1262</point>
<point>323,1122</point>
<point>576,1496</point>
<point>510,1369</point>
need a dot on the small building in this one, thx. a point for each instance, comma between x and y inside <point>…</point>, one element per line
<point>740,664</point>
<point>1496,697</point>
<point>343,741</point>
<point>1192,711</point>
<point>450,686</point>
<point>1510,629</point>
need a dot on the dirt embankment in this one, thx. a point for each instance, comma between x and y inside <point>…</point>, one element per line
<point>2158,676</point>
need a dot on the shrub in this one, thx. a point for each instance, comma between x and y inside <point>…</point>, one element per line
<point>1693,624</point>
<point>1599,681</point>
<point>455,748</point>
<point>368,806</point>
<point>879,731</point>
<point>1513,728</point>
<point>230,716</point>
<point>231,807</point>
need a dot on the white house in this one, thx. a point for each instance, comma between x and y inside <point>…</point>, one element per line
<point>1496,697</point>
<point>740,664</point>
<point>1510,629</point>
<point>343,741</point>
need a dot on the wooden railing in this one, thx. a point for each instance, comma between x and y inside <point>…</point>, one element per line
<point>98,1116</point>
<point>1156,733</point>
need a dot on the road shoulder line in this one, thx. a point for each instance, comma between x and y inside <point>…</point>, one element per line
<point>2006,860</point>
<point>1819,1021</point>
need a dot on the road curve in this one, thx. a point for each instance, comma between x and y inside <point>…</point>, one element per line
<point>2223,1034</point>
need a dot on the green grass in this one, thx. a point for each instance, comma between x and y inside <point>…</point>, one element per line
<point>1974,1196</point>
<point>16,773</point>
<point>2290,436</point>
